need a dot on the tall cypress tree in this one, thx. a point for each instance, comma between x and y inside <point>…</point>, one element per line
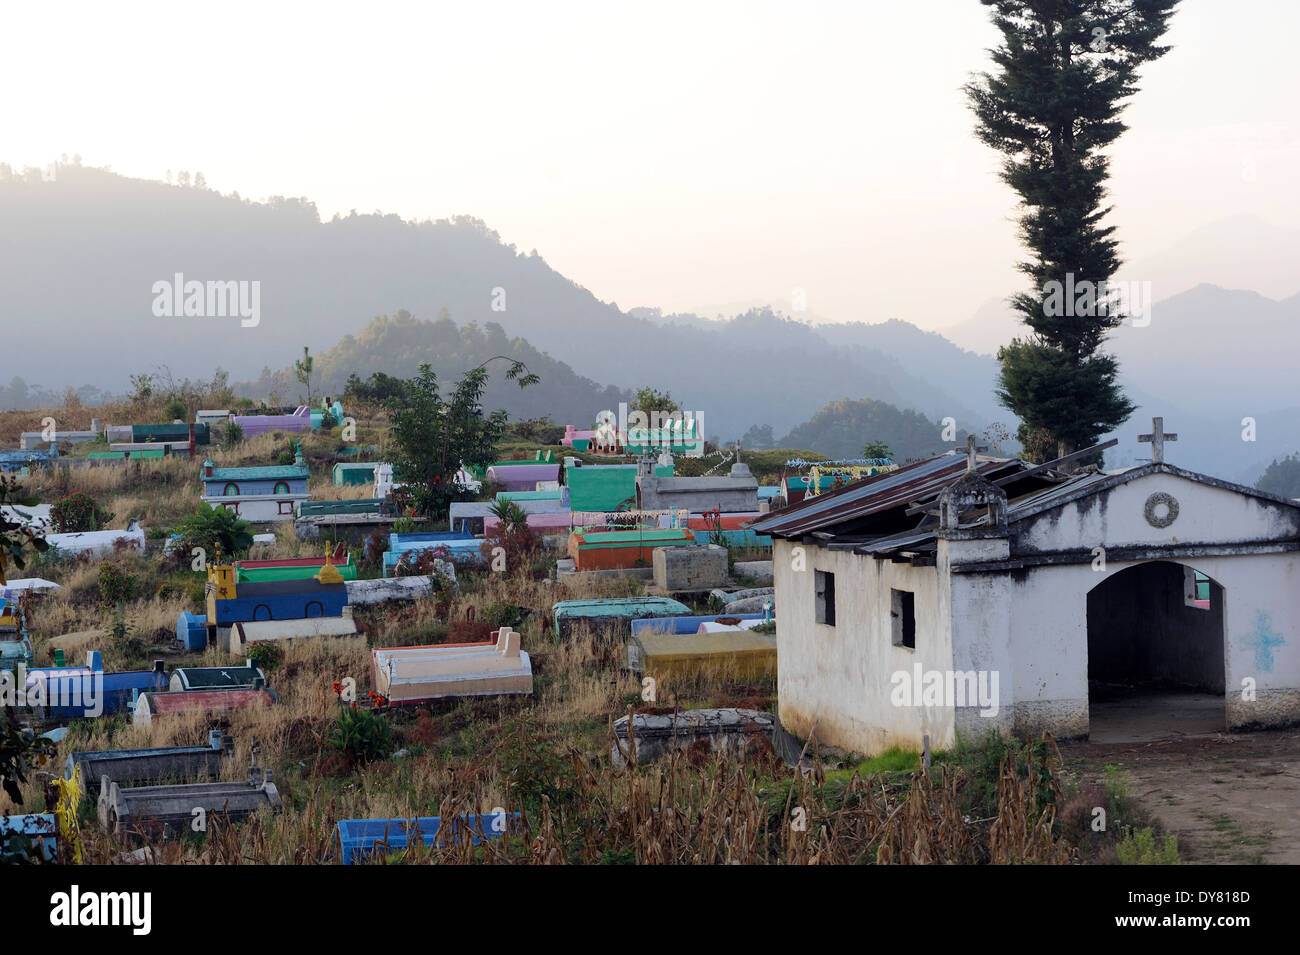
<point>1064,68</point>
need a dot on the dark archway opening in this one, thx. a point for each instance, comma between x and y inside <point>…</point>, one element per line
<point>1155,654</point>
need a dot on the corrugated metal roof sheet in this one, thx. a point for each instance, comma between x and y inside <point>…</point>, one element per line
<point>881,492</point>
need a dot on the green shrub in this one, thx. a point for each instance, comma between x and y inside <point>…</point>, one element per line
<point>268,656</point>
<point>116,586</point>
<point>76,513</point>
<point>175,409</point>
<point>504,615</point>
<point>1139,848</point>
<point>214,528</point>
<point>229,433</point>
<point>362,734</point>
<point>122,636</point>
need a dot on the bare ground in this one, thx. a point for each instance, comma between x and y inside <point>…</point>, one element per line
<point>1230,798</point>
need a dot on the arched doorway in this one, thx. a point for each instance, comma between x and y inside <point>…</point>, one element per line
<point>1155,654</point>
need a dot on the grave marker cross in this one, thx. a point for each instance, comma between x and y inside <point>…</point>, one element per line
<point>1157,439</point>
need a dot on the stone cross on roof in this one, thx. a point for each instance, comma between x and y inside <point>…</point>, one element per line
<point>1157,439</point>
<point>970,452</point>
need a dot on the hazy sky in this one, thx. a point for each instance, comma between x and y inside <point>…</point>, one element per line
<point>673,154</point>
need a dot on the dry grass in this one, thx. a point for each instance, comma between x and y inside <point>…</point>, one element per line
<point>546,755</point>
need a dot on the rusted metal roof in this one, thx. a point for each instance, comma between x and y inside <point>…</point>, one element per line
<point>879,493</point>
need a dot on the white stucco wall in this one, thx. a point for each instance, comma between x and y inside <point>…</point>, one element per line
<point>259,508</point>
<point>837,679</point>
<point>1116,518</point>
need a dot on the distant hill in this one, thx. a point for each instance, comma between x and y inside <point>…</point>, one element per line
<point>398,344</point>
<point>842,428</point>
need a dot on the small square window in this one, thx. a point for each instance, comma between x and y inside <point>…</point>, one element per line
<point>825,597</point>
<point>902,612</point>
<point>286,507</point>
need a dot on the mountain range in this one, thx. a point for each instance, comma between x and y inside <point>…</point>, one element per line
<point>81,254</point>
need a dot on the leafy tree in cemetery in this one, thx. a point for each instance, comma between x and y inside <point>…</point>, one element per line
<point>216,527</point>
<point>647,400</point>
<point>1281,477</point>
<point>510,514</point>
<point>877,449</point>
<point>141,388</point>
<point>302,371</point>
<point>175,410</point>
<point>1054,105</point>
<point>436,436</point>
<point>378,388</point>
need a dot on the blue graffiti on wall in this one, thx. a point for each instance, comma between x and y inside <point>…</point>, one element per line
<point>1264,639</point>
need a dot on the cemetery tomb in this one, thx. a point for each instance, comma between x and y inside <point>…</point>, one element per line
<point>460,546</point>
<point>149,454</point>
<point>175,433</point>
<point>151,705</point>
<point>362,593</point>
<point>353,472</point>
<point>192,631</point>
<point>96,543</point>
<point>257,424</point>
<point>150,766</point>
<point>363,839</point>
<point>558,496</point>
<point>212,418</point>
<point>87,691</point>
<point>520,476</point>
<point>612,614</point>
<point>405,675</point>
<point>732,531</point>
<point>257,494</point>
<point>614,550</point>
<point>578,439</point>
<point>15,462</point>
<point>294,568</point>
<point>37,585</point>
<point>729,731</point>
<point>29,439</point>
<point>605,487</point>
<point>244,634</point>
<point>135,810</point>
<point>90,691</point>
<point>698,568</point>
<point>735,652</point>
<point>231,602</point>
<point>734,492</point>
<point>687,624</point>
<point>216,678</point>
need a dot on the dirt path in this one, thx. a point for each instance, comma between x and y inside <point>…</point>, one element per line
<point>1229,798</point>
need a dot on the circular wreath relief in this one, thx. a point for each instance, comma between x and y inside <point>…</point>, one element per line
<point>1171,509</point>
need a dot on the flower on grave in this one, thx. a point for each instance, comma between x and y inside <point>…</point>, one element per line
<point>338,687</point>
